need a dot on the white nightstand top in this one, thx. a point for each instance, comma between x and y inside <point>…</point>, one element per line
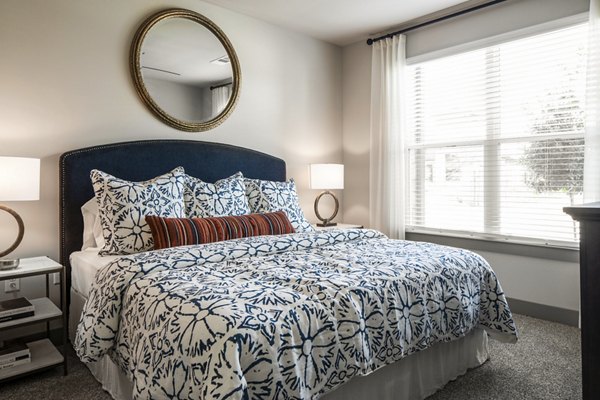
<point>32,265</point>
<point>338,226</point>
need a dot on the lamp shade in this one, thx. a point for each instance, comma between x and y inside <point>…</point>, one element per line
<point>19,179</point>
<point>326,176</point>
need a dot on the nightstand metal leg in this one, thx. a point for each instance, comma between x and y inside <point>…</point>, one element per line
<point>48,296</point>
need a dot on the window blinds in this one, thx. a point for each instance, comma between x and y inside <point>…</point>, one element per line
<point>496,139</point>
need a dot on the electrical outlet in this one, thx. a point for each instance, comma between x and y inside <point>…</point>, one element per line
<point>56,278</point>
<point>12,285</point>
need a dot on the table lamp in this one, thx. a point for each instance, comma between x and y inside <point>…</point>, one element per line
<point>19,181</point>
<point>326,177</point>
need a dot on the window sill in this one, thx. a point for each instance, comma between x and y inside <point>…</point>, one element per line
<point>556,253</point>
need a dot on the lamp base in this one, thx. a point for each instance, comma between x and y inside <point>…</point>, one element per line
<point>326,221</point>
<point>19,235</point>
<point>6,265</point>
<point>324,225</point>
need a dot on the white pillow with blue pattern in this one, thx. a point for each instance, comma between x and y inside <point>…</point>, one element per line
<point>123,205</point>
<point>271,196</point>
<point>226,197</point>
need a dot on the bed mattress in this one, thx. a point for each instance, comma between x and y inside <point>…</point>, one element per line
<point>84,266</point>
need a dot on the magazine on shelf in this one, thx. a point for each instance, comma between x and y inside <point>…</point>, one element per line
<point>14,352</point>
<point>20,361</point>
<point>15,308</point>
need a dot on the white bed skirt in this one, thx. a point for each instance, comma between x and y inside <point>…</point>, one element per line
<point>414,377</point>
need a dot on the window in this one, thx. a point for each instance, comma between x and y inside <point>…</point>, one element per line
<point>496,139</point>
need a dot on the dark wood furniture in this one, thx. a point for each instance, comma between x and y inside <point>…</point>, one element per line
<point>589,217</point>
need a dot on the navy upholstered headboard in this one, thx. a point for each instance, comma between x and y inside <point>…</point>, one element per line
<point>142,160</point>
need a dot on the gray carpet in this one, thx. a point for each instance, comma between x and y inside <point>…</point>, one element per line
<point>544,364</point>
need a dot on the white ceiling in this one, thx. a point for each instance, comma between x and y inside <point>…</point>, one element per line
<point>339,22</point>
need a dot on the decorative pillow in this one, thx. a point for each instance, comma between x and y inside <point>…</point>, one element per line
<point>253,194</point>
<point>224,197</point>
<point>92,228</point>
<point>123,205</point>
<point>171,232</point>
<point>89,216</point>
<point>270,196</point>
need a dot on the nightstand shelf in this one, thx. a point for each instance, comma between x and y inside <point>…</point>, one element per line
<point>31,267</point>
<point>44,354</point>
<point>45,310</point>
<point>338,226</point>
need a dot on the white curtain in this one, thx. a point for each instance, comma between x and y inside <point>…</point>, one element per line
<point>220,97</point>
<point>388,117</point>
<point>591,171</point>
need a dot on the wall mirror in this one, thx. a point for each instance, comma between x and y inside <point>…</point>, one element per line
<point>185,70</point>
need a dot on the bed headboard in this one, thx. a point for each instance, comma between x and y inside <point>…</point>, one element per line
<point>143,160</point>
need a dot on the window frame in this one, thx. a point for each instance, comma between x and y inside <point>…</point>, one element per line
<point>490,144</point>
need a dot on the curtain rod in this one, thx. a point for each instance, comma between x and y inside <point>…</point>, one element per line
<point>221,85</point>
<point>370,41</point>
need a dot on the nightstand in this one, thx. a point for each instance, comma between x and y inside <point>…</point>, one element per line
<point>44,354</point>
<point>338,226</point>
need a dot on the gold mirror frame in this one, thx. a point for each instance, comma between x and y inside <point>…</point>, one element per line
<point>136,71</point>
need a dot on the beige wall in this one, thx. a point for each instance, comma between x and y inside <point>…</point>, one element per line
<point>509,16</point>
<point>65,84</point>
<point>356,87</point>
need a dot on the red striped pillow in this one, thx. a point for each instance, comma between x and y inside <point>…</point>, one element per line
<point>171,232</point>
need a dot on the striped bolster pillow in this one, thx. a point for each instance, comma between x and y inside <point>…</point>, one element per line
<point>171,232</point>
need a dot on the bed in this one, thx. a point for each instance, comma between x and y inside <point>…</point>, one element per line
<point>266,353</point>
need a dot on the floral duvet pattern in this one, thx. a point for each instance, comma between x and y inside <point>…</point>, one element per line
<point>283,317</point>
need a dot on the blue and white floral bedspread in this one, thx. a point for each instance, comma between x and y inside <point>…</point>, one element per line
<point>288,317</point>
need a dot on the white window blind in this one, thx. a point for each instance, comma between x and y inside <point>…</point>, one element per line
<point>496,139</point>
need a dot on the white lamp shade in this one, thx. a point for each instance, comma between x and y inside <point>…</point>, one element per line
<point>326,176</point>
<point>19,179</point>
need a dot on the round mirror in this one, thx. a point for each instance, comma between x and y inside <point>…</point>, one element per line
<point>185,69</point>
